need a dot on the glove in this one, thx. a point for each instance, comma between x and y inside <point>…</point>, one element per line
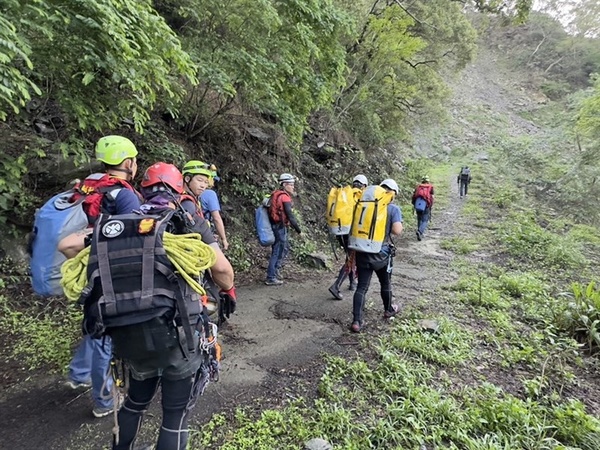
<point>229,301</point>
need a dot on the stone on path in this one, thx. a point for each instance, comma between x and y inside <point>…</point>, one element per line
<point>317,444</point>
<point>429,325</point>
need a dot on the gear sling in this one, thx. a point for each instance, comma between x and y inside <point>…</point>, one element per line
<point>133,293</point>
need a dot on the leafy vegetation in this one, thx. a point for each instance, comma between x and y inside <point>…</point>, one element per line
<point>580,317</point>
<point>101,61</point>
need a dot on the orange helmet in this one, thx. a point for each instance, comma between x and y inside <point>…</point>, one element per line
<point>164,173</point>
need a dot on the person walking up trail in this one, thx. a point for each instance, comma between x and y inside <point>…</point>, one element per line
<point>199,179</point>
<point>91,361</point>
<point>196,178</point>
<point>180,368</point>
<point>281,217</point>
<point>381,263</point>
<point>422,201</point>
<point>464,179</point>
<point>359,183</point>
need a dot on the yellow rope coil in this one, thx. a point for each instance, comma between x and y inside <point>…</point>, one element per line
<point>188,254</point>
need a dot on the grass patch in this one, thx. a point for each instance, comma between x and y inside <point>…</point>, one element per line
<point>526,240</point>
<point>459,245</point>
<point>397,402</point>
<point>450,345</point>
<point>42,335</point>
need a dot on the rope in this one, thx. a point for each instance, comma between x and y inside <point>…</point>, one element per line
<point>188,254</point>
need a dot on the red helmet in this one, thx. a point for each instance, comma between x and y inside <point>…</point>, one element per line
<point>164,173</point>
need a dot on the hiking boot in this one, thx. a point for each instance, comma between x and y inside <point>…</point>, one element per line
<point>419,235</point>
<point>103,412</point>
<point>335,291</point>
<point>274,282</point>
<point>356,327</point>
<point>394,309</point>
<point>77,385</point>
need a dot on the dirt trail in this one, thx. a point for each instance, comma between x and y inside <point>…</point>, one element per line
<point>272,348</point>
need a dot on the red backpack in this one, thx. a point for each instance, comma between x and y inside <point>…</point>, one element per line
<point>424,191</point>
<point>276,211</point>
<point>97,188</point>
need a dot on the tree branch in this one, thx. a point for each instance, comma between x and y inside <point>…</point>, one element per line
<point>407,12</point>
<point>554,63</point>
<point>538,46</point>
<point>415,65</point>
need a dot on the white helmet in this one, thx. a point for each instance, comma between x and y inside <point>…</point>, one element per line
<point>287,178</point>
<point>390,184</point>
<point>361,179</point>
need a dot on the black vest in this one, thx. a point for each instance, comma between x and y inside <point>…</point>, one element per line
<point>133,289</point>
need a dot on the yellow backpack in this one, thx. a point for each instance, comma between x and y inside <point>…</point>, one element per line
<point>367,233</point>
<point>340,207</point>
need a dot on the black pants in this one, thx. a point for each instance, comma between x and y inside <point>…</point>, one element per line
<point>365,273</point>
<point>178,399</point>
<point>464,187</point>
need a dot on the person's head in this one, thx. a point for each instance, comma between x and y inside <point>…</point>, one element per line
<point>425,179</point>
<point>214,176</point>
<point>163,180</point>
<point>360,181</point>
<point>286,182</point>
<point>198,176</point>
<point>119,156</point>
<point>390,185</point>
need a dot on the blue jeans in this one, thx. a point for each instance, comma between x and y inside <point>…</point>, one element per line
<point>279,250</point>
<point>423,219</point>
<point>91,362</point>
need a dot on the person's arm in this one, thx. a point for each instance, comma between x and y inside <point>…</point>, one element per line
<point>396,218</point>
<point>72,244</point>
<point>396,228</point>
<point>220,227</point>
<point>222,272</point>
<point>287,207</point>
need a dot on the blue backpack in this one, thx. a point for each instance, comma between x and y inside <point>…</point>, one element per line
<point>56,219</point>
<point>264,230</point>
<point>420,204</point>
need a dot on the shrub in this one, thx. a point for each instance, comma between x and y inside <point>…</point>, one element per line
<point>580,317</point>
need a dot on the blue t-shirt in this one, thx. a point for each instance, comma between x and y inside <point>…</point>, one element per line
<point>394,214</point>
<point>126,202</point>
<point>210,203</point>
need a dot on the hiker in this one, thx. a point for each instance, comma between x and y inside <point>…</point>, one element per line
<point>464,179</point>
<point>422,201</point>
<point>182,377</point>
<point>91,362</point>
<point>195,181</point>
<point>381,263</point>
<point>359,183</point>
<point>281,217</point>
<point>199,179</point>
